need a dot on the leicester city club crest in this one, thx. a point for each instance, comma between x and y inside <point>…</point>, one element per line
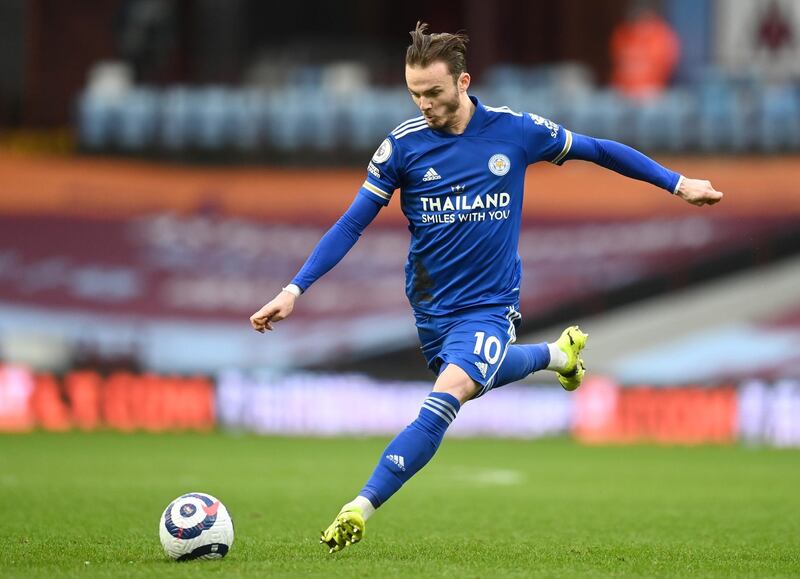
<point>499,164</point>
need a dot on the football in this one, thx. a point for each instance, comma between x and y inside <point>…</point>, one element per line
<point>196,526</point>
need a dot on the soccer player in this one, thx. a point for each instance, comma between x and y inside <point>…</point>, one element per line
<point>460,168</point>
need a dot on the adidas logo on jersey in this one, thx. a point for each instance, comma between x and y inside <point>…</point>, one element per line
<point>398,460</point>
<point>374,170</point>
<point>482,367</point>
<point>431,175</point>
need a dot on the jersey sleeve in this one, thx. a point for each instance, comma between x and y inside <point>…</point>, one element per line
<point>624,160</point>
<point>545,140</point>
<point>383,173</point>
<point>339,239</point>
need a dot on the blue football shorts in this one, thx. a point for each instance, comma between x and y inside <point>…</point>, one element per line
<point>476,340</point>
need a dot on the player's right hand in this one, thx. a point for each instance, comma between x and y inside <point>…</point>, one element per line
<point>275,311</point>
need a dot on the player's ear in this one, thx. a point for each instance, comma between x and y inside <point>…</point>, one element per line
<point>463,81</point>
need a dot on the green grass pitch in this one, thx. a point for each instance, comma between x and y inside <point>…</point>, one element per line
<point>88,505</point>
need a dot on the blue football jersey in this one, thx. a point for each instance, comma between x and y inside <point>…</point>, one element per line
<point>462,195</point>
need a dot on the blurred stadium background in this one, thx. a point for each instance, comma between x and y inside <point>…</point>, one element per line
<point>166,166</point>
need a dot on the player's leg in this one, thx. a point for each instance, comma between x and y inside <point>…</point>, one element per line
<point>406,455</point>
<point>447,344</point>
<point>561,356</point>
<point>457,383</point>
<point>414,447</point>
<point>520,361</point>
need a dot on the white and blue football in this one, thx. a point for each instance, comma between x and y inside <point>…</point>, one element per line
<point>196,526</point>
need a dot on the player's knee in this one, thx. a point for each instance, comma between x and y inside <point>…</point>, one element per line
<point>457,383</point>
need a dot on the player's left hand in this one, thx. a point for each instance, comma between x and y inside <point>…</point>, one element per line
<point>698,192</point>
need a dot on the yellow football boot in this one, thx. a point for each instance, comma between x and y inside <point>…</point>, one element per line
<point>571,342</point>
<point>347,529</point>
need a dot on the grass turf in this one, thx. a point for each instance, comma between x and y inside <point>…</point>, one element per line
<point>87,505</point>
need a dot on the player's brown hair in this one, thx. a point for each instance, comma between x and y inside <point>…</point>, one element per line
<point>428,48</point>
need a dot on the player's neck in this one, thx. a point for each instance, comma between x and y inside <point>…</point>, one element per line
<point>465,112</point>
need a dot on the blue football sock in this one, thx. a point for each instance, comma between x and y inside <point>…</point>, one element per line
<point>412,448</point>
<point>520,361</point>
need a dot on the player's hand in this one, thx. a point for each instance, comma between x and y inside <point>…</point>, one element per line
<point>698,192</point>
<point>275,311</point>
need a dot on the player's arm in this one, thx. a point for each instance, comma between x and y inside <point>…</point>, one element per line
<point>383,178</point>
<point>631,163</point>
<point>330,250</point>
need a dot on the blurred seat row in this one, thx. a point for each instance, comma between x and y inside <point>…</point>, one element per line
<point>715,115</point>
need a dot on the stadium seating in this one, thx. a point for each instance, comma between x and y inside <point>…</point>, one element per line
<point>716,114</point>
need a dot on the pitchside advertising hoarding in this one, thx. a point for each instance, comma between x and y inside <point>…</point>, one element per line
<point>601,412</point>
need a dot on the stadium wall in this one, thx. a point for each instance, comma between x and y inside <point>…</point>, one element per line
<point>757,186</point>
<point>601,412</point>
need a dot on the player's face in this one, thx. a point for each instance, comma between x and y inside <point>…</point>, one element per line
<point>436,93</point>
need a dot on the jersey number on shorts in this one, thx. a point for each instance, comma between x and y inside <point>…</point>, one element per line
<point>491,347</point>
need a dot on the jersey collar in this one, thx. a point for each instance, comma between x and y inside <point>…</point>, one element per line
<point>475,123</point>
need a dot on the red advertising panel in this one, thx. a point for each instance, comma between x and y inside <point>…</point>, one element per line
<point>606,413</point>
<point>88,401</point>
